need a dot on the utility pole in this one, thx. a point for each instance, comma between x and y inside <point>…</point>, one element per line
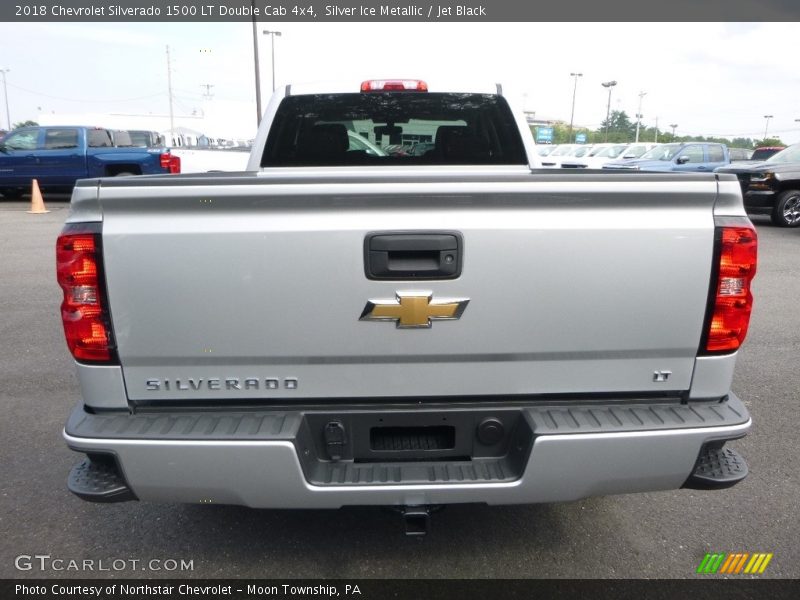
<point>5,93</point>
<point>609,85</point>
<point>207,94</point>
<point>656,138</point>
<point>572,115</point>
<point>169,90</point>
<point>674,127</point>
<point>639,115</point>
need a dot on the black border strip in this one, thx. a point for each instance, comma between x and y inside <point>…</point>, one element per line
<point>367,11</point>
<point>698,587</point>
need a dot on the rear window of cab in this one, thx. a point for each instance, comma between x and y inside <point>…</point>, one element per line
<point>393,128</point>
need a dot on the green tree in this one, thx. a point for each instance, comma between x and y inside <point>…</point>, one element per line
<point>620,128</point>
<point>743,143</point>
<point>769,142</point>
<point>28,123</point>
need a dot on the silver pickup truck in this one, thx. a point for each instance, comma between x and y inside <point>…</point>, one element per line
<point>422,319</point>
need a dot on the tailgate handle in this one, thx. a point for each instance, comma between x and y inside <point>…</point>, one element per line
<point>413,255</point>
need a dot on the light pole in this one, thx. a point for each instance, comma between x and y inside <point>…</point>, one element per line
<point>169,93</point>
<point>572,115</point>
<point>5,93</point>
<point>639,115</point>
<point>674,127</point>
<point>767,117</point>
<point>609,85</point>
<point>272,35</point>
<point>255,62</point>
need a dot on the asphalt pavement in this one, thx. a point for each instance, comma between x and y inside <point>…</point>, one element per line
<point>663,534</point>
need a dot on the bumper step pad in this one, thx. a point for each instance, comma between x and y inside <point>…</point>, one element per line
<point>717,468</point>
<point>99,481</point>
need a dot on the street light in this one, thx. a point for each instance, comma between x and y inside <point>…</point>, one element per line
<point>674,127</point>
<point>767,117</point>
<point>255,63</point>
<point>639,115</point>
<point>5,93</point>
<point>572,116</point>
<point>272,35</point>
<point>609,85</point>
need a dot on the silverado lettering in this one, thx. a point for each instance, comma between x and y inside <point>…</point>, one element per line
<point>214,383</point>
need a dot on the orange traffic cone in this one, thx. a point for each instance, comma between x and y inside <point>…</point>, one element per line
<point>37,202</point>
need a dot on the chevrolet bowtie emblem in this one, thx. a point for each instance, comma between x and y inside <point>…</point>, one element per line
<point>414,309</point>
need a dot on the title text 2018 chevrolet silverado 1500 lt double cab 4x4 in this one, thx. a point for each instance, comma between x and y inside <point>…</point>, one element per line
<point>58,156</point>
<point>343,327</point>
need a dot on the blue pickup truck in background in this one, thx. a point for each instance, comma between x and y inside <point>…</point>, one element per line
<point>688,156</point>
<point>58,156</point>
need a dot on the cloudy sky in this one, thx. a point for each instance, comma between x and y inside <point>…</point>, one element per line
<point>710,79</point>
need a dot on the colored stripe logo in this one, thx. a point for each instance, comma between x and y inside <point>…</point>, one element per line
<point>735,563</point>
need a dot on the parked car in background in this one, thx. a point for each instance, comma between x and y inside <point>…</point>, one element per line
<point>601,155</point>
<point>764,152</point>
<point>740,154</point>
<point>607,153</point>
<point>145,139</point>
<point>134,138</point>
<point>545,149</point>
<point>553,158</point>
<point>689,156</point>
<point>577,159</point>
<point>121,138</point>
<point>58,156</point>
<point>556,158</point>
<point>772,186</point>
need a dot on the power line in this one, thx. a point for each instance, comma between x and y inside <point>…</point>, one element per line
<point>11,85</point>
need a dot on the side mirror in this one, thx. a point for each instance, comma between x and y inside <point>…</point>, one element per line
<point>682,160</point>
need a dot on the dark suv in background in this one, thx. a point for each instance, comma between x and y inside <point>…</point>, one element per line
<point>764,152</point>
<point>772,186</point>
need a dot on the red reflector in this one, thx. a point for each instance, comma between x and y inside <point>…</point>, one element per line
<point>83,312</point>
<point>394,85</point>
<point>733,301</point>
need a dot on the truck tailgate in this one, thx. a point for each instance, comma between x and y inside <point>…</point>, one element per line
<point>253,287</point>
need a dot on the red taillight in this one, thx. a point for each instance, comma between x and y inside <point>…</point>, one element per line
<point>83,310</point>
<point>733,301</point>
<point>170,162</point>
<point>394,85</point>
